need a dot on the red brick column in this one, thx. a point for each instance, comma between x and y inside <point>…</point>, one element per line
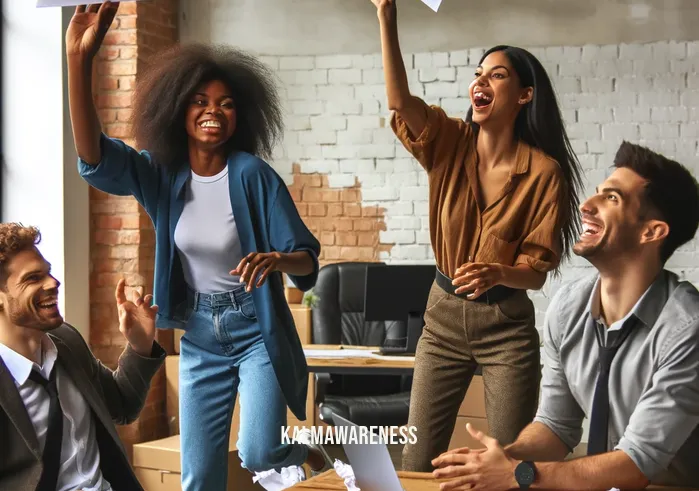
<point>122,236</point>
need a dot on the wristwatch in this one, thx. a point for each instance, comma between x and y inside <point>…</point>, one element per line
<point>525,473</point>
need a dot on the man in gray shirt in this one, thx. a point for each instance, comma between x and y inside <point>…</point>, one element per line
<point>621,348</point>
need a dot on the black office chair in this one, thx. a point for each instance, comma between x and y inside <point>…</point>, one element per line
<point>338,318</point>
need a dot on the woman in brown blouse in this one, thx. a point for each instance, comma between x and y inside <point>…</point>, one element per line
<point>503,189</point>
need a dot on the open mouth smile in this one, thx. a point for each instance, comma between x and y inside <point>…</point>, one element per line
<point>210,125</point>
<point>591,229</point>
<point>48,304</point>
<point>481,99</point>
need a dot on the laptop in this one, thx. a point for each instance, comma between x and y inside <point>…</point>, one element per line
<point>371,463</point>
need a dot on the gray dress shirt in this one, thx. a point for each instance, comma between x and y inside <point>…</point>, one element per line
<point>653,382</point>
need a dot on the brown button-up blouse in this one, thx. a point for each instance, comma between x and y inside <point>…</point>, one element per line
<point>520,226</point>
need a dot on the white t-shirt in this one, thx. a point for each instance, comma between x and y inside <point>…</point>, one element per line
<point>206,236</point>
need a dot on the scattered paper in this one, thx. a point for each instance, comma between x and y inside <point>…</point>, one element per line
<point>69,3</point>
<point>347,474</point>
<point>433,4</point>
<point>272,480</point>
<point>337,353</point>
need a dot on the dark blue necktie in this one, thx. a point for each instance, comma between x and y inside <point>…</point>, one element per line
<point>599,420</point>
<point>54,434</point>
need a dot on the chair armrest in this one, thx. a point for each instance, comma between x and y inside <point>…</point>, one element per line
<point>321,386</point>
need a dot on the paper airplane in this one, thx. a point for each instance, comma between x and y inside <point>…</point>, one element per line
<point>433,4</point>
<point>68,3</point>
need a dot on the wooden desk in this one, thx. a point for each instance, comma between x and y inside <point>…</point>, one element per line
<point>391,365</point>
<point>411,481</point>
<point>330,481</point>
<point>358,366</point>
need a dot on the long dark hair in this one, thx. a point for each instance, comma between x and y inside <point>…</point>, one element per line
<point>163,94</point>
<point>540,125</point>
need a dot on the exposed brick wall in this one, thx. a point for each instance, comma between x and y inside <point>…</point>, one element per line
<point>122,236</point>
<point>347,231</point>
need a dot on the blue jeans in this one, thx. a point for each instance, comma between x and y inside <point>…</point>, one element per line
<point>221,354</point>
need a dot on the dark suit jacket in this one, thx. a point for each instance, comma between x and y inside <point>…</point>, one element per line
<point>114,397</point>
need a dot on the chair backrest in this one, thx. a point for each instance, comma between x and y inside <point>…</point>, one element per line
<point>338,316</point>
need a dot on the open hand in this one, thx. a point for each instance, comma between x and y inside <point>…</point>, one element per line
<point>490,468</point>
<point>477,278</point>
<point>136,319</point>
<point>88,27</point>
<point>254,268</point>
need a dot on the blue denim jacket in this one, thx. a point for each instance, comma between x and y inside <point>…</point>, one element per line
<point>267,220</point>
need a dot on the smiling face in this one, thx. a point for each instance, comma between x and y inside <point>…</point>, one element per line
<point>613,223</point>
<point>30,296</point>
<point>496,93</point>
<point>210,119</point>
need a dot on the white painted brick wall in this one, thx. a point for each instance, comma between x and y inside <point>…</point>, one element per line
<point>338,124</point>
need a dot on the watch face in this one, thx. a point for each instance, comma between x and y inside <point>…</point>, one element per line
<point>524,473</point>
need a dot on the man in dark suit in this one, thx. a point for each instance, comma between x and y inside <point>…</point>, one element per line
<point>58,403</point>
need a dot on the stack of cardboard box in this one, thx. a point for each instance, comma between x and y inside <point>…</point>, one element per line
<point>157,463</point>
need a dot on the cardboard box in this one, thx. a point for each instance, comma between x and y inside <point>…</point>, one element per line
<point>178,336</point>
<point>302,319</point>
<point>473,404</point>
<point>472,411</point>
<point>157,467</point>
<point>462,438</point>
<point>172,390</point>
<point>293,295</point>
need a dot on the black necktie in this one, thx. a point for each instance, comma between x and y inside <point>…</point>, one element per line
<point>599,420</point>
<point>54,434</point>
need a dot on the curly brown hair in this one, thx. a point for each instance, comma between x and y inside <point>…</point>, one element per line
<point>14,238</point>
<point>163,93</point>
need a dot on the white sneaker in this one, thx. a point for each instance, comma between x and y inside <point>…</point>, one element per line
<point>303,436</point>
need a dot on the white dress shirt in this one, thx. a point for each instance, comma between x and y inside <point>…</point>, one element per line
<point>80,458</point>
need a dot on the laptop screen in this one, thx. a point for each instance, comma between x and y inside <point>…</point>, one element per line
<point>371,463</point>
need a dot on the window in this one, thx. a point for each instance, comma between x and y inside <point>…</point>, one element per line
<point>2,93</point>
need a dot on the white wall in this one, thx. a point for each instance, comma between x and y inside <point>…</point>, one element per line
<point>40,182</point>
<point>313,27</point>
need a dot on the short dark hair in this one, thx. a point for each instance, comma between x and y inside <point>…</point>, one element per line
<point>14,238</point>
<point>163,93</point>
<point>671,192</point>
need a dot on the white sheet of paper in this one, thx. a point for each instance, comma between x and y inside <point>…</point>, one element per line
<point>69,3</point>
<point>337,353</point>
<point>379,356</point>
<point>433,4</point>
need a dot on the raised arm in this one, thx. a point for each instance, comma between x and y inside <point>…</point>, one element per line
<point>125,389</point>
<point>411,109</point>
<point>84,36</point>
<point>107,164</point>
